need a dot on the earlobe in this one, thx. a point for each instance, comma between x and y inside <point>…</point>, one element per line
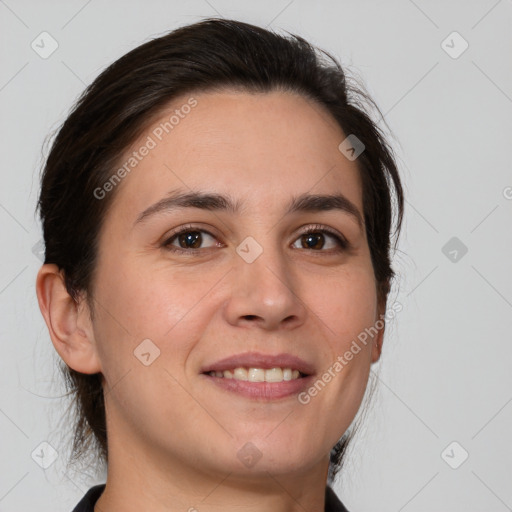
<point>378,339</point>
<point>74,344</point>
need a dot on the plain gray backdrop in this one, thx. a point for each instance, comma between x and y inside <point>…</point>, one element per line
<point>438,434</point>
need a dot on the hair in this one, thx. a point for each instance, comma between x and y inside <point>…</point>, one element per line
<point>115,109</point>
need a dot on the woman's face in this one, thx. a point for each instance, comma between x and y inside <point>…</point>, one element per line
<point>243,278</point>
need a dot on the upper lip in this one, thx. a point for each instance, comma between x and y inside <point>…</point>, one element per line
<point>259,360</point>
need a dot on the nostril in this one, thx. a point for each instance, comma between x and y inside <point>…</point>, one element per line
<point>250,317</point>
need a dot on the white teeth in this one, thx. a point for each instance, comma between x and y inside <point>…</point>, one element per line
<point>274,375</point>
<point>258,374</point>
<point>240,374</point>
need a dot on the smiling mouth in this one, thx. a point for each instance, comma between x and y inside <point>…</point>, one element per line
<point>258,374</point>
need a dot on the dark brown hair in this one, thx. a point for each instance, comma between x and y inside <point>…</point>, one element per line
<point>114,110</point>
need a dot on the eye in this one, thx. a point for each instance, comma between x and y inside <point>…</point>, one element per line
<point>313,238</point>
<point>189,239</point>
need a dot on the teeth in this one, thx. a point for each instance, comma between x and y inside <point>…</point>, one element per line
<point>240,374</point>
<point>274,375</point>
<point>258,374</point>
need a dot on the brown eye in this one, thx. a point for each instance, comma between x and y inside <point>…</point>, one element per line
<point>189,240</point>
<point>312,241</point>
<point>318,238</point>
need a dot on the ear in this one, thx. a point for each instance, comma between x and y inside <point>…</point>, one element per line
<point>69,323</point>
<point>378,339</point>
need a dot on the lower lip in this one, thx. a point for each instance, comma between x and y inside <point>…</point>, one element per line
<point>262,390</point>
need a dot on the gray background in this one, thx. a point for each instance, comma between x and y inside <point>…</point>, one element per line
<point>445,372</point>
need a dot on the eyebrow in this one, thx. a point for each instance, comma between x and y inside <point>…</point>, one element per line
<point>179,199</point>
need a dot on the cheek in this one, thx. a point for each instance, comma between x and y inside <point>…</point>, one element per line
<point>147,300</point>
<point>155,305</point>
<point>347,308</point>
<point>346,303</point>
<point>136,302</point>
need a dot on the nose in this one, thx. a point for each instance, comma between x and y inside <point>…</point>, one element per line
<point>264,293</point>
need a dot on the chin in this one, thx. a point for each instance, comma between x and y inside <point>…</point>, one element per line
<point>261,457</point>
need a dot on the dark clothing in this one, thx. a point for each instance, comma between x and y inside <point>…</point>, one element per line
<point>86,504</point>
<point>332,502</point>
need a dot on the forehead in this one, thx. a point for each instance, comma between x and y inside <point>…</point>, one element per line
<point>258,147</point>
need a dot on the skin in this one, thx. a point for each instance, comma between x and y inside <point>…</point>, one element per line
<point>173,435</point>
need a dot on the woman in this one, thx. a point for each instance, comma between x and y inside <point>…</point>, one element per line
<point>217,212</point>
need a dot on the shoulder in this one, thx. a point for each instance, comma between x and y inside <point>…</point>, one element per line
<point>86,504</point>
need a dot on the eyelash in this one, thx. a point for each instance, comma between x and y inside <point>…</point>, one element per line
<point>342,242</point>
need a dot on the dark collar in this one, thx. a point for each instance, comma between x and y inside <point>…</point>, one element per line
<point>86,504</point>
<point>332,502</point>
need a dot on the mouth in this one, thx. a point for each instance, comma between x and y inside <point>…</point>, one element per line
<point>260,376</point>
